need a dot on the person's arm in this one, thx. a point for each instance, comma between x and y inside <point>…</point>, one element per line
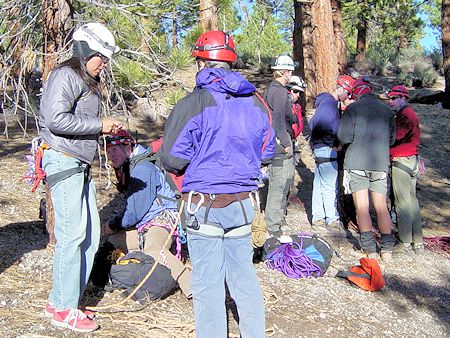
<point>181,129</point>
<point>346,127</point>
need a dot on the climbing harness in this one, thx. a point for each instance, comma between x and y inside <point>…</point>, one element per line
<point>292,261</point>
<point>167,219</point>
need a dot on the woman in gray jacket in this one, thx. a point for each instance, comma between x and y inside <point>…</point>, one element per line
<point>70,122</point>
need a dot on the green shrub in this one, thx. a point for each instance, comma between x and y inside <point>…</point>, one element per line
<point>180,58</point>
<point>131,74</point>
<point>436,58</point>
<point>415,66</point>
<point>174,96</point>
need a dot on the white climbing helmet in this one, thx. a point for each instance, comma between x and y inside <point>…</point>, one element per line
<point>283,62</point>
<point>296,82</point>
<point>98,37</point>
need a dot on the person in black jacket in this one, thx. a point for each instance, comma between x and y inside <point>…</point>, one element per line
<point>282,168</point>
<point>368,128</point>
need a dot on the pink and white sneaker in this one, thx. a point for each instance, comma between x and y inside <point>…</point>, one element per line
<point>74,320</point>
<point>49,311</point>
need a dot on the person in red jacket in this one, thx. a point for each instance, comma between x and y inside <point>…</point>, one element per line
<point>294,121</point>
<point>405,167</point>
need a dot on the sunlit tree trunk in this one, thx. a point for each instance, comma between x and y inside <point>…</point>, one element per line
<point>208,15</point>
<point>446,49</point>
<point>324,46</point>
<point>362,33</point>
<point>56,25</point>
<point>341,47</point>
<point>297,38</point>
<point>304,12</point>
<point>145,48</point>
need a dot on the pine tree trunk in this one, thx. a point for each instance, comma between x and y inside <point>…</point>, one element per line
<point>297,38</point>
<point>57,23</point>
<point>174,28</point>
<point>362,33</point>
<point>341,47</point>
<point>145,48</point>
<point>208,15</point>
<point>446,50</point>
<point>324,47</point>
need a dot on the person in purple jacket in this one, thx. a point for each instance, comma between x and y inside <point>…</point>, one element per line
<point>218,136</point>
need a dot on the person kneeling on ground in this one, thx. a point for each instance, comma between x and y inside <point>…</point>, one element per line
<point>151,209</point>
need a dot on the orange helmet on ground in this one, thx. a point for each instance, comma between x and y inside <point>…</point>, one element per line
<point>399,90</point>
<point>216,46</point>
<point>120,137</point>
<point>346,82</point>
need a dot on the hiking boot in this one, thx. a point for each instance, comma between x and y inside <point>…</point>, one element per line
<point>371,255</point>
<point>419,248</point>
<point>404,249</point>
<point>337,230</point>
<point>386,256</point>
<point>49,311</point>
<point>74,320</point>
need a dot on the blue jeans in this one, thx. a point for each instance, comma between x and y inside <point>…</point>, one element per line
<point>325,187</point>
<point>77,230</point>
<point>219,260</point>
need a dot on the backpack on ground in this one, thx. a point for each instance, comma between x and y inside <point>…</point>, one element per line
<point>367,275</point>
<point>301,256</point>
<point>131,269</point>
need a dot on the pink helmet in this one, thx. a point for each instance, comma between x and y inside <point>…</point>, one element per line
<point>399,90</point>
<point>346,82</point>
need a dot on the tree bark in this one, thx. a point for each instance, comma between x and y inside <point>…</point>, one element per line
<point>208,15</point>
<point>297,38</point>
<point>304,11</point>
<point>324,47</point>
<point>174,28</point>
<point>56,25</point>
<point>362,33</point>
<point>341,47</point>
<point>446,50</point>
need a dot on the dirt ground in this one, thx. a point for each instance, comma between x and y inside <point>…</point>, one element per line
<point>414,301</point>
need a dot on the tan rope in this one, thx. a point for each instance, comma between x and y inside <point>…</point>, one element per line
<point>99,308</point>
<point>259,229</point>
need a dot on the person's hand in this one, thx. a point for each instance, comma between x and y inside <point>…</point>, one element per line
<point>107,229</point>
<point>287,149</point>
<point>110,126</point>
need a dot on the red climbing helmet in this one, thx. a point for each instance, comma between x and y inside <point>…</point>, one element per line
<point>361,86</point>
<point>216,46</point>
<point>346,82</point>
<point>120,137</point>
<point>399,90</point>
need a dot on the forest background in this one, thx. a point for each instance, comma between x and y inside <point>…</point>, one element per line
<point>325,38</point>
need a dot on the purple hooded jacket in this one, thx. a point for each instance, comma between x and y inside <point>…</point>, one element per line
<point>215,135</point>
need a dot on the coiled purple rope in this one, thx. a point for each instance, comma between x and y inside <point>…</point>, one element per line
<point>291,260</point>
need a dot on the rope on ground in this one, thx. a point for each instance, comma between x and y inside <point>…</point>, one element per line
<point>100,308</point>
<point>438,244</point>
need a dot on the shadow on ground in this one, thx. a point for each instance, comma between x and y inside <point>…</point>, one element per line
<point>16,239</point>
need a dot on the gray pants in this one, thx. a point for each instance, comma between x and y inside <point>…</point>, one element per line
<point>406,204</point>
<point>280,179</point>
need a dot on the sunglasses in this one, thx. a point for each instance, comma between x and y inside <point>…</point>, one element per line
<point>295,91</point>
<point>394,98</point>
